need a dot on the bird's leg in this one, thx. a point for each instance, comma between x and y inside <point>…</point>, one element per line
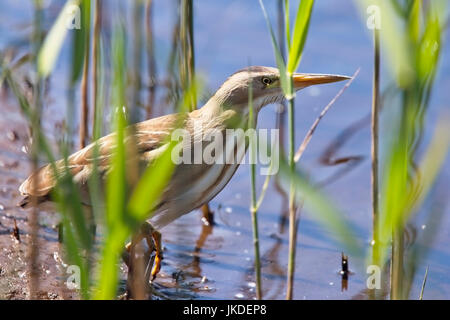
<point>90,218</point>
<point>153,239</point>
<point>136,286</point>
<point>156,235</point>
<point>208,215</point>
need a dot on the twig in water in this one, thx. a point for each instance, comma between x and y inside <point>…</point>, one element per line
<point>423,284</point>
<point>344,272</point>
<point>16,232</point>
<point>311,131</point>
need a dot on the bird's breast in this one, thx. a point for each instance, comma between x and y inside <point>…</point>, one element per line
<point>194,184</point>
<point>228,155</point>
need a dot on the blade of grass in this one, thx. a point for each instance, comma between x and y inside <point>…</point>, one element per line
<point>51,47</point>
<point>414,21</point>
<point>287,25</point>
<point>116,182</point>
<point>286,83</point>
<point>264,187</point>
<point>300,34</point>
<point>78,46</point>
<point>116,188</point>
<point>116,232</point>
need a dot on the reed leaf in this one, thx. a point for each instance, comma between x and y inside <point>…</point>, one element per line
<point>299,35</point>
<point>394,40</point>
<point>287,23</point>
<point>116,184</point>
<point>414,21</point>
<point>286,83</point>
<point>80,40</point>
<point>52,45</point>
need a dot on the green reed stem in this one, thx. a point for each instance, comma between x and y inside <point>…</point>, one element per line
<point>95,56</point>
<point>187,61</point>
<point>86,16</point>
<point>292,215</point>
<point>254,201</point>
<point>397,264</point>
<point>282,40</point>
<point>374,151</point>
<point>254,214</point>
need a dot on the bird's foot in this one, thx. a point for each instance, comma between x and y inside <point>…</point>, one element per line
<point>153,239</point>
<point>156,236</point>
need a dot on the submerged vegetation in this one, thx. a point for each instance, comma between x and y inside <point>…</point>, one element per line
<point>106,72</point>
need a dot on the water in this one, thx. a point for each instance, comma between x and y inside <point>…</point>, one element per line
<point>229,34</point>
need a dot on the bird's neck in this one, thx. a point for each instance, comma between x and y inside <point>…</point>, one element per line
<point>215,111</point>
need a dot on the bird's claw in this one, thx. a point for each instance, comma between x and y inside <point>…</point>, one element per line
<point>157,265</point>
<point>153,239</point>
<point>158,257</point>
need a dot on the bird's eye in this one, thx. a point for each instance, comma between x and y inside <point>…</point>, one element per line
<point>266,81</point>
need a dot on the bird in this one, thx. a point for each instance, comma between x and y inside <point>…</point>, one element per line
<point>191,184</point>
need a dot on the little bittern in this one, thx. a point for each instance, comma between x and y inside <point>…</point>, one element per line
<point>191,185</point>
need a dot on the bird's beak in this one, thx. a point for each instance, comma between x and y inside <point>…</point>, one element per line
<point>303,80</point>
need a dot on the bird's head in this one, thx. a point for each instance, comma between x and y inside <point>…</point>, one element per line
<point>265,85</point>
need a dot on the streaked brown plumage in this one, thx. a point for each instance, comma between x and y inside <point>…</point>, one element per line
<point>191,184</point>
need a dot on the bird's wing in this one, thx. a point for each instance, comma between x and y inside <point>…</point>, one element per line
<point>147,136</point>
